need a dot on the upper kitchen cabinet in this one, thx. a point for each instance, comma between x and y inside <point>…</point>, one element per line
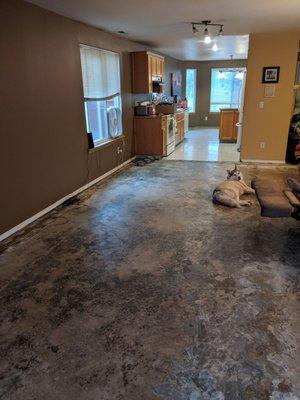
<point>147,72</point>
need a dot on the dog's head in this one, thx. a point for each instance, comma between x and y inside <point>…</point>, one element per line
<point>234,174</point>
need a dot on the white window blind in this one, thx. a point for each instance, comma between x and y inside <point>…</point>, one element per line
<point>100,72</point>
<point>101,91</point>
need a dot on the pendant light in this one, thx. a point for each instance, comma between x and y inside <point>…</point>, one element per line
<point>195,30</point>
<point>239,75</point>
<point>207,38</point>
<point>215,47</point>
<point>220,74</point>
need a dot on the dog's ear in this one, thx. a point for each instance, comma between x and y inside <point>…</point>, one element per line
<point>236,168</point>
<point>228,172</point>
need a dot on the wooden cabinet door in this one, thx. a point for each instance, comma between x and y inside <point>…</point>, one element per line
<point>153,65</point>
<point>160,67</point>
<point>228,129</point>
<point>150,73</point>
<point>149,136</point>
<point>181,129</point>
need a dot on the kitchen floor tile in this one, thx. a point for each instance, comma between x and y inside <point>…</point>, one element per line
<point>202,144</point>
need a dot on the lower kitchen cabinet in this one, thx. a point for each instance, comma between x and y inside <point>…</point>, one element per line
<point>154,135</point>
<point>157,135</point>
<point>180,127</point>
<point>150,136</point>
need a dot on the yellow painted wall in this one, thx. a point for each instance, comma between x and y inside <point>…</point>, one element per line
<point>270,124</point>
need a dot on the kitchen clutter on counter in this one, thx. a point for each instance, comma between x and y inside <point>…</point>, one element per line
<point>160,104</point>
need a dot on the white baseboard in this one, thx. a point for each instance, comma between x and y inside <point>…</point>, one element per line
<point>28,221</point>
<point>264,161</point>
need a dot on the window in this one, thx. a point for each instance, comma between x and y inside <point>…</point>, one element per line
<point>226,86</point>
<point>190,90</point>
<point>101,90</point>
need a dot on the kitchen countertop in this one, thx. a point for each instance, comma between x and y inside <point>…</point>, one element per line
<point>159,115</point>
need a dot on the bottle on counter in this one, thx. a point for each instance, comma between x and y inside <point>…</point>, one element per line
<point>184,104</point>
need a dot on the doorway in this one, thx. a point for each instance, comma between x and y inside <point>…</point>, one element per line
<point>214,140</point>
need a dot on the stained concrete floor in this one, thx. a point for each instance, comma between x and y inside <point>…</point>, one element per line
<point>145,290</point>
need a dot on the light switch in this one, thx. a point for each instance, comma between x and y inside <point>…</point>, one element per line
<point>261,104</point>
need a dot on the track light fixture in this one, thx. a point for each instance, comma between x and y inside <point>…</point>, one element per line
<point>206,23</point>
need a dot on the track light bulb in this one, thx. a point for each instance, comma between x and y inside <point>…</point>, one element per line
<point>207,38</point>
<point>221,31</point>
<point>215,47</point>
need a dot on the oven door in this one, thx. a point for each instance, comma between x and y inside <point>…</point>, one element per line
<point>170,147</point>
<point>171,130</point>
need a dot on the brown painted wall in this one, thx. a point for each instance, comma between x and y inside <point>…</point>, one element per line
<point>270,124</point>
<point>203,89</point>
<point>43,150</point>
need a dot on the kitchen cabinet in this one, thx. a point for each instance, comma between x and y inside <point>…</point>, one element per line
<point>150,135</point>
<point>154,135</point>
<point>146,68</point>
<point>180,127</point>
<point>228,119</point>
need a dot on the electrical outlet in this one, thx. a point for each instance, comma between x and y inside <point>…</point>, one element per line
<point>262,145</point>
<point>206,117</point>
<point>261,104</point>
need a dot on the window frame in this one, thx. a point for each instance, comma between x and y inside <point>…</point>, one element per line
<point>195,88</point>
<point>235,70</point>
<point>101,142</point>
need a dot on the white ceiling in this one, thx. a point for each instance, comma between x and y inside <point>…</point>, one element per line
<point>165,24</point>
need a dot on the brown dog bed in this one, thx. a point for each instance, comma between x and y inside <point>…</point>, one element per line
<point>271,198</point>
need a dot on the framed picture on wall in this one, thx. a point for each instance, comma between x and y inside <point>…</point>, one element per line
<point>270,75</point>
<point>176,84</point>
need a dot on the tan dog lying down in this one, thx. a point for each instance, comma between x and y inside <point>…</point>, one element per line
<point>228,192</point>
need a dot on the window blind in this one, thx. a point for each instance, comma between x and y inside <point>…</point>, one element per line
<point>100,73</point>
